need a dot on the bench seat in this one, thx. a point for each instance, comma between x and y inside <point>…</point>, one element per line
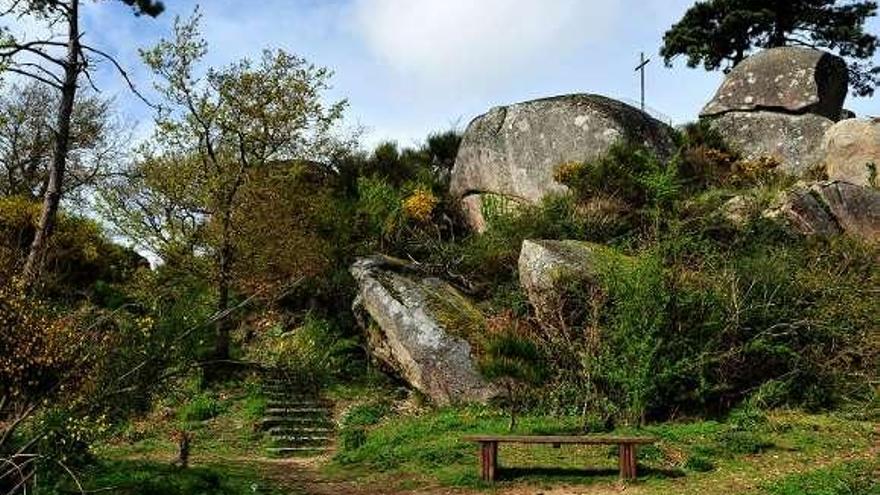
<point>626,448</point>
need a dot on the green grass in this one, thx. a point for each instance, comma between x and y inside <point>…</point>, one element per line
<point>847,478</point>
<point>778,453</point>
<point>223,423</point>
<point>152,478</point>
<point>689,457</point>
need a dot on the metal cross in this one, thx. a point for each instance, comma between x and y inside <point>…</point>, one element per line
<point>641,68</point>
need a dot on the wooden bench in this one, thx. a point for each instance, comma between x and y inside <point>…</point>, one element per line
<point>626,446</point>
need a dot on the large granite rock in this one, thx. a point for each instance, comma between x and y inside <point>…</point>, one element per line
<point>512,151</point>
<point>548,269</point>
<point>788,80</point>
<point>417,329</point>
<point>851,151</point>
<point>831,208</point>
<point>795,141</point>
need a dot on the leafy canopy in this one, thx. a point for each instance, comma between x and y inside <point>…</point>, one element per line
<point>721,33</point>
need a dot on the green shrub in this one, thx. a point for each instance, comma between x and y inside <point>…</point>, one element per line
<point>315,353</point>
<point>365,414</point>
<point>147,478</point>
<point>743,442</point>
<point>200,408</point>
<point>699,463</point>
<point>635,312</point>
<point>627,171</point>
<point>352,438</point>
<point>515,364</point>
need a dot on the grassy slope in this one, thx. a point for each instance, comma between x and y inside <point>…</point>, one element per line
<point>427,449</point>
<point>789,453</point>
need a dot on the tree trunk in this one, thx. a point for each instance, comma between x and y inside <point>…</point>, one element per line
<point>780,24</point>
<point>33,267</point>
<point>221,343</point>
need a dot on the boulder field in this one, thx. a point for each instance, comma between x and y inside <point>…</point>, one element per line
<point>784,103</point>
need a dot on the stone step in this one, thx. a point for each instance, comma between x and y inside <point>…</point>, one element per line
<point>299,430</point>
<point>297,411</point>
<point>282,395</point>
<point>293,422</point>
<point>287,386</point>
<point>300,441</point>
<point>295,403</point>
<point>294,451</point>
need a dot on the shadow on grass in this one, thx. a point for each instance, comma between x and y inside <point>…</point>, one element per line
<point>130,477</point>
<point>582,475</point>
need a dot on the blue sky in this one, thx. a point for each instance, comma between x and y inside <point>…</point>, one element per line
<point>409,67</point>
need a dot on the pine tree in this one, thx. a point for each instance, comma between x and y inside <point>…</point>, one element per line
<point>719,34</point>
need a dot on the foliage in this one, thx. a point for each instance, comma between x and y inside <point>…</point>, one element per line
<point>627,172</point>
<point>202,407</point>
<point>357,420</point>
<point>635,307</point>
<point>218,130</point>
<point>721,33</point>
<point>35,351</point>
<point>81,257</point>
<point>27,141</point>
<point>314,353</point>
<point>514,363</point>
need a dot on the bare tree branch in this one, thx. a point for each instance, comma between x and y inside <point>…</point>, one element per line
<point>122,72</point>
<point>33,76</point>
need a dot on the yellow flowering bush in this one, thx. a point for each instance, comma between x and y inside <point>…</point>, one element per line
<point>755,170</point>
<point>567,172</point>
<point>419,205</point>
<point>38,352</point>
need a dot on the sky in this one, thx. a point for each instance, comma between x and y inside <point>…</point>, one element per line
<point>412,67</point>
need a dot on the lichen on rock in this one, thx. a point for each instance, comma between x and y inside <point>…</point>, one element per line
<point>420,329</point>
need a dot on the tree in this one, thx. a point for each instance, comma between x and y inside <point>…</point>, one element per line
<point>58,64</point>
<point>26,141</point>
<point>215,133</point>
<point>721,33</point>
<point>514,363</point>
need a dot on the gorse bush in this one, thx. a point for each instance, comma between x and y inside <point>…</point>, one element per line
<point>703,315</point>
<point>627,172</point>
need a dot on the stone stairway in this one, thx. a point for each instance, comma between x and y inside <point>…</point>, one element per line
<point>298,421</point>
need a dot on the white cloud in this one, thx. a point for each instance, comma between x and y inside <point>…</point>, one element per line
<point>478,41</point>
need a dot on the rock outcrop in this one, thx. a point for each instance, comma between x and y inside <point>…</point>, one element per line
<point>851,151</point>
<point>512,151</point>
<point>831,208</point>
<point>790,80</point>
<point>547,269</point>
<point>417,328</point>
<point>795,141</point>
<point>778,103</point>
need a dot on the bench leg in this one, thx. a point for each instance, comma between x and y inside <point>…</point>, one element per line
<point>488,460</point>
<point>627,461</point>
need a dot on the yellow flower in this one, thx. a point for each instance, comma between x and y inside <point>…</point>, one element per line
<point>420,205</point>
